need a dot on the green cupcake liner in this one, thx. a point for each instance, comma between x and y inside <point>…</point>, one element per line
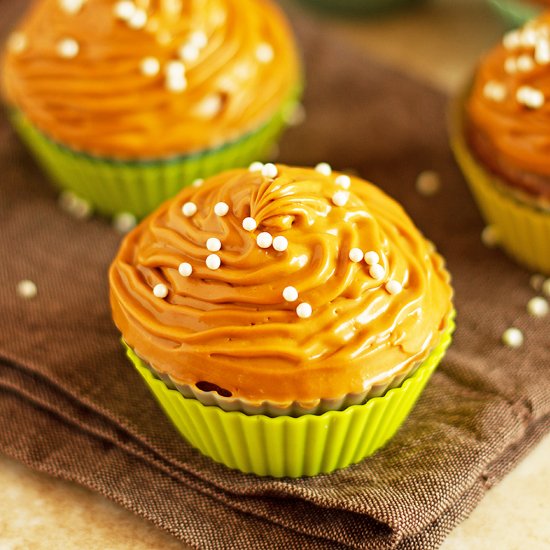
<point>293,446</point>
<point>357,7</point>
<point>138,187</point>
<point>515,12</point>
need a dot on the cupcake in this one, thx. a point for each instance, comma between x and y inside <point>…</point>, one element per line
<point>123,103</point>
<point>285,318</point>
<point>357,7</point>
<point>518,12</point>
<point>501,137</point>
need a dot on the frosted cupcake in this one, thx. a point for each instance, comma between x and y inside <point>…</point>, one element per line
<point>274,303</point>
<point>126,102</point>
<point>501,136</point>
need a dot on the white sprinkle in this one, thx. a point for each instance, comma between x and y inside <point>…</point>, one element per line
<point>394,287</point>
<point>67,48</point>
<point>525,63</point>
<point>17,42</point>
<point>185,269</point>
<point>249,224</point>
<point>324,168</point>
<point>189,53</point>
<point>530,97</point>
<point>198,182</point>
<point>264,239</point>
<point>343,181</point>
<point>510,65</point>
<point>377,271</point>
<point>489,236</point>
<point>280,243</point>
<point>160,291</point>
<point>495,91</point>
<point>256,166</point>
<point>243,70</point>
<point>213,244</point>
<point>221,208</point>
<point>209,107</point>
<point>290,294</point>
<point>175,69</point>
<point>355,255</point>
<point>227,84</point>
<point>546,288</point>
<point>264,53</point>
<point>542,52</point>
<point>138,19</point>
<point>150,66</point>
<point>294,115</point>
<point>176,84</point>
<point>538,307</point>
<point>372,257</point>
<point>536,281</point>
<point>26,289</point>
<point>304,310</point>
<point>124,10</point>
<point>124,222</point>
<point>269,170</point>
<point>189,209</point>
<point>71,6</point>
<point>198,39</point>
<point>77,207</point>
<point>528,37</point>
<point>512,40</point>
<point>213,262</point>
<point>340,198</point>
<point>428,183</point>
<point>512,337</point>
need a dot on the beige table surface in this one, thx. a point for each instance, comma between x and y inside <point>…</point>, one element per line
<point>438,42</point>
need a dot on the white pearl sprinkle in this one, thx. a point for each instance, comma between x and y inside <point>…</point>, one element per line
<point>160,291</point>
<point>198,182</point>
<point>150,66</point>
<point>538,307</point>
<point>512,40</point>
<point>213,262</point>
<point>27,289</point>
<point>294,115</point>
<point>489,236</point>
<point>189,209</point>
<point>372,257</point>
<point>355,255</point>
<point>243,70</point>
<point>189,53</point>
<point>256,166</point>
<point>512,337</point>
<point>324,168</point>
<point>280,243</point>
<point>428,183</point>
<point>264,53</point>
<point>175,69</point>
<point>494,91</point>
<point>525,63</point>
<point>74,205</point>
<point>198,39</point>
<point>138,19</point>
<point>269,170</point>
<point>377,271</point>
<point>530,97</point>
<point>542,52</point>
<point>185,269</point>
<point>340,198</point>
<point>209,106</point>
<point>67,48</point>
<point>124,10</point>
<point>71,6</point>
<point>546,288</point>
<point>124,222</point>
<point>213,244</point>
<point>264,239</point>
<point>528,37</point>
<point>249,224</point>
<point>536,281</point>
<point>17,42</point>
<point>290,294</point>
<point>227,84</point>
<point>304,310</point>
<point>221,208</point>
<point>394,287</point>
<point>176,84</point>
<point>343,181</point>
<point>510,65</point>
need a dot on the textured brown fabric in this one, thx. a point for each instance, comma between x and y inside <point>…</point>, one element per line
<point>72,406</point>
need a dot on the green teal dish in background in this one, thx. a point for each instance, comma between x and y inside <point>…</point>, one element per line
<point>293,446</point>
<point>515,12</point>
<point>358,7</point>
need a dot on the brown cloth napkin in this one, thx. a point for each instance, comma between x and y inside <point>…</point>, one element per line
<point>72,406</point>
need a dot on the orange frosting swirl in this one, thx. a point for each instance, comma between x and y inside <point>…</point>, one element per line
<point>232,327</point>
<point>508,108</point>
<point>178,77</point>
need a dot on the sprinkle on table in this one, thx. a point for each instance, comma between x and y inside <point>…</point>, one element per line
<point>512,337</point>
<point>27,289</point>
<point>160,290</point>
<point>428,183</point>
<point>536,281</point>
<point>489,236</point>
<point>546,288</point>
<point>124,222</point>
<point>538,306</point>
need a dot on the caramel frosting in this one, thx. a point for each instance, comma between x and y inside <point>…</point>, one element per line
<point>140,79</point>
<point>280,284</point>
<point>508,110</point>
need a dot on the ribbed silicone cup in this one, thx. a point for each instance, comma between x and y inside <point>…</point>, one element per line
<point>357,7</point>
<point>515,12</point>
<point>113,186</point>
<point>293,446</point>
<point>523,230</point>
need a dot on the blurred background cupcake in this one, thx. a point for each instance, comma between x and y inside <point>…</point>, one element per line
<point>518,12</point>
<point>124,102</point>
<point>286,318</point>
<point>357,7</point>
<point>501,137</point>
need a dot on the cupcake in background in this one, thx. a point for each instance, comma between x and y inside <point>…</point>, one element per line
<point>501,137</point>
<point>518,12</point>
<point>285,318</point>
<point>124,102</point>
<point>358,7</point>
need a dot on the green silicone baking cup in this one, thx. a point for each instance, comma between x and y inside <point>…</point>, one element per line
<point>515,12</point>
<point>113,186</point>
<point>293,446</point>
<point>357,7</point>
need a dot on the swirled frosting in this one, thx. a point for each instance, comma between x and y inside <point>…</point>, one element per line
<point>149,78</point>
<point>508,110</point>
<point>233,327</point>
